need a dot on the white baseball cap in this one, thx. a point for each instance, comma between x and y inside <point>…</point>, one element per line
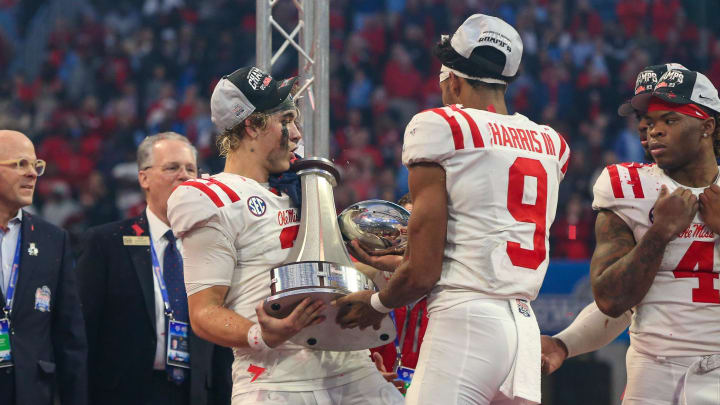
<point>481,30</point>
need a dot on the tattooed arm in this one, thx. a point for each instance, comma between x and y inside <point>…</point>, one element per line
<point>621,270</point>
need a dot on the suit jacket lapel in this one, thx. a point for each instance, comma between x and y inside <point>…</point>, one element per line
<point>28,263</point>
<point>140,256</point>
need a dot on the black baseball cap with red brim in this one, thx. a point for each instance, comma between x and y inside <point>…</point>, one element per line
<point>645,84</point>
<point>682,86</point>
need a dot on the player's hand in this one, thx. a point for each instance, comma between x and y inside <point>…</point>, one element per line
<point>388,376</point>
<point>354,310</point>
<point>554,353</point>
<point>275,331</point>
<point>673,212</point>
<point>710,207</point>
<point>379,260</point>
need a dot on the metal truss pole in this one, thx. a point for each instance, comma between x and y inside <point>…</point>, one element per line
<point>263,34</point>
<point>321,72</point>
<point>313,64</point>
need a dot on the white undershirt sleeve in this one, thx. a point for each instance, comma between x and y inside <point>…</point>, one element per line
<point>209,258</point>
<point>592,330</point>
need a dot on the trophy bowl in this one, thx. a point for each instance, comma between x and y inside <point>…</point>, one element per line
<point>379,226</point>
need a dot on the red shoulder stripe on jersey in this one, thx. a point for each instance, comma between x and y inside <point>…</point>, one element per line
<point>205,189</point>
<point>634,179</point>
<point>230,193</point>
<point>563,146</point>
<point>564,168</point>
<point>615,181</point>
<point>454,127</point>
<point>474,130</point>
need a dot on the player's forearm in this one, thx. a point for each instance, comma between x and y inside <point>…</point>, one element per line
<point>405,288</point>
<point>624,283</point>
<point>592,330</point>
<point>220,325</point>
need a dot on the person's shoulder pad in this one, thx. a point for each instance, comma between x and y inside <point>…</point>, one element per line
<point>428,137</point>
<point>562,148</point>
<point>603,197</point>
<point>620,182</point>
<point>194,203</point>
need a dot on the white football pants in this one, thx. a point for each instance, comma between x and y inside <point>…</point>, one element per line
<point>467,352</point>
<point>371,390</point>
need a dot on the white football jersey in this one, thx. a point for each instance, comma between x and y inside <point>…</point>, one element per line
<point>679,314</point>
<point>263,226</point>
<point>502,177</point>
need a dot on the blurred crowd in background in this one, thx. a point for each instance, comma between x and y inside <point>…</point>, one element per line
<point>88,80</point>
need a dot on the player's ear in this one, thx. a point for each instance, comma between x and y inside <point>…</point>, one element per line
<point>252,131</point>
<point>708,126</point>
<point>455,85</point>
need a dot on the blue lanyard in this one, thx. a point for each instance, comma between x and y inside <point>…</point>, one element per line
<point>400,339</point>
<point>10,293</point>
<point>160,279</point>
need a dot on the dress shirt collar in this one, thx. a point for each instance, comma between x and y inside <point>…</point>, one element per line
<point>157,227</point>
<point>16,220</point>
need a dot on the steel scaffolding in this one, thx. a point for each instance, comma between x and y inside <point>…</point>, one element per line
<point>313,56</point>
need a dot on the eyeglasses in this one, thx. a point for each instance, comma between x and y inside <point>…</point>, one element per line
<point>174,168</point>
<point>24,165</point>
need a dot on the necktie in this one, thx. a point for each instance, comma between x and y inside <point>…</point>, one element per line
<point>175,284</point>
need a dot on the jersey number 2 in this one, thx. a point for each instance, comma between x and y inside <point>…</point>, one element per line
<point>700,255</point>
<point>532,213</point>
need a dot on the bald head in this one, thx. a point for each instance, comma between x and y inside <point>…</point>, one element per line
<point>16,185</point>
<point>14,142</point>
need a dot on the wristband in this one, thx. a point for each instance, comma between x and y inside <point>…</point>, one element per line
<point>378,305</point>
<point>255,339</point>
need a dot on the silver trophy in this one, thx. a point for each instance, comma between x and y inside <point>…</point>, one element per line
<point>320,267</point>
<point>379,226</point>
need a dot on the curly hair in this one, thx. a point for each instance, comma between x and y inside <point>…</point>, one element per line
<point>229,140</point>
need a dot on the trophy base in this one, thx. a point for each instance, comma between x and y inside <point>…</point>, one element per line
<point>328,335</point>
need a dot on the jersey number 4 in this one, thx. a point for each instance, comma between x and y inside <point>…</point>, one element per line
<point>535,213</point>
<point>700,255</point>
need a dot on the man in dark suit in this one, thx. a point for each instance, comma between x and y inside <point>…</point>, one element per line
<point>132,285</point>
<point>41,317</point>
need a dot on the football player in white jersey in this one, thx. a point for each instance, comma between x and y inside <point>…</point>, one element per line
<point>591,329</point>
<point>235,227</point>
<point>657,243</point>
<point>484,186</point>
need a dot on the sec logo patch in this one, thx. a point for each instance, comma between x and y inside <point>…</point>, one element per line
<point>257,206</point>
<point>523,308</point>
